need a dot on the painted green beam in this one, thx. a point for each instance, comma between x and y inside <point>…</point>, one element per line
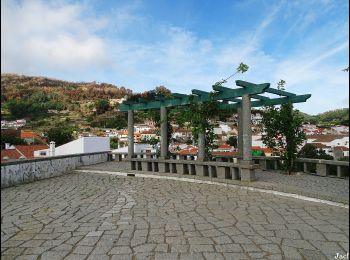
<point>260,97</point>
<point>280,92</point>
<point>246,84</point>
<point>200,93</point>
<point>271,102</point>
<point>228,94</point>
<point>178,95</point>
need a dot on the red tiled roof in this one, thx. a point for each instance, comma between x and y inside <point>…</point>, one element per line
<point>342,148</point>
<point>30,134</point>
<point>325,138</point>
<point>189,151</point>
<point>28,150</point>
<point>12,154</point>
<point>225,146</point>
<point>225,153</point>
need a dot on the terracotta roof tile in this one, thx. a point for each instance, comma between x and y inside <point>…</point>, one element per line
<point>28,150</point>
<point>12,154</point>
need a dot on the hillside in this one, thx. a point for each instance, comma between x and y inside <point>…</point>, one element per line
<point>88,106</point>
<point>329,118</point>
<point>45,102</point>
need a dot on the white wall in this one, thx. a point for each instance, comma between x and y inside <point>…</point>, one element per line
<point>89,144</point>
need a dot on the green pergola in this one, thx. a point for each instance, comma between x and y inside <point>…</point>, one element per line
<point>221,94</point>
<point>245,97</point>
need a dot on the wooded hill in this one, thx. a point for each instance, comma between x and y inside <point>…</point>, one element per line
<point>46,102</point>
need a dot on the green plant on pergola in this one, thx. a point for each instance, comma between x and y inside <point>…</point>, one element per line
<point>222,97</point>
<point>227,98</point>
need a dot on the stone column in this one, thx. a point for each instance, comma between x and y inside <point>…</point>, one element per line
<point>163,132</point>
<point>240,132</point>
<point>247,128</point>
<point>246,165</point>
<point>201,146</point>
<point>130,134</point>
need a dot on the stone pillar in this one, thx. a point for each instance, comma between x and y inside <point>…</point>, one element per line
<point>240,132</point>
<point>246,165</point>
<point>247,128</point>
<point>321,169</point>
<point>163,132</point>
<point>201,147</point>
<point>130,134</point>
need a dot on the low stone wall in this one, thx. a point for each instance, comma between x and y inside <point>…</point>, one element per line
<point>18,172</point>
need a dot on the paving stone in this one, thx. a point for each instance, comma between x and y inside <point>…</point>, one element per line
<point>200,241</point>
<point>83,250</point>
<point>167,219</point>
<point>166,256</point>
<point>297,243</point>
<point>120,250</point>
<point>26,257</point>
<point>201,248</point>
<point>336,237</point>
<point>191,256</point>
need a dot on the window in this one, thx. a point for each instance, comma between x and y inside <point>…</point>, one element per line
<point>42,153</point>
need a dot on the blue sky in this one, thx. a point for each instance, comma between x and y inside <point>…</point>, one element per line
<point>183,44</point>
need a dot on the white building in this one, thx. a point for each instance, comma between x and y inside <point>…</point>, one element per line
<point>92,144</point>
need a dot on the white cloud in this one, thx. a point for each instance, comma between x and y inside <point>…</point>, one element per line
<point>37,35</point>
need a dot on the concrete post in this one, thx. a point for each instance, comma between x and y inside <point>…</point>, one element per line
<point>247,128</point>
<point>247,170</point>
<point>201,147</point>
<point>130,134</point>
<point>240,132</point>
<point>321,169</point>
<point>163,132</point>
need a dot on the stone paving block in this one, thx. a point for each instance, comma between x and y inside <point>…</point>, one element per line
<point>312,254</point>
<point>25,257</point>
<point>213,256</point>
<point>292,234</point>
<point>238,256</point>
<point>336,237</point>
<point>53,255</point>
<point>161,248</point>
<point>121,257</point>
<point>201,248</point>
<point>290,252</point>
<point>228,248</point>
<point>200,241</point>
<point>166,256</point>
<point>191,256</point>
<point>83,250</point>
<point>164,218</point>
<point>145,248</point>
<point>75,257</point>
<point>120,250</point>
<point>98,257</point>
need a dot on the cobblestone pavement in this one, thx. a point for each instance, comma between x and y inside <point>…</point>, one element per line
<point>328,188</point>
<point>100,216</point>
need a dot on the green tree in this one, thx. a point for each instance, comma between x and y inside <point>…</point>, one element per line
<point>60,135</point>
<point>310,151</point>
<point>282,132</point>
<point>232,140</point>
<point>114,142</point>
<point>11,140</point>
<point>102,105</point>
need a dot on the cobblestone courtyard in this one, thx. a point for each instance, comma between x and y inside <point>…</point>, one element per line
<point>100,216</point>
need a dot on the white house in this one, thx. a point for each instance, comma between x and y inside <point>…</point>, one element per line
<point>89,144</point>
<point>138,148</point>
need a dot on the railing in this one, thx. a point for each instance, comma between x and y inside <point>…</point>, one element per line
<point>311,166</point>
<point>23,171</point>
